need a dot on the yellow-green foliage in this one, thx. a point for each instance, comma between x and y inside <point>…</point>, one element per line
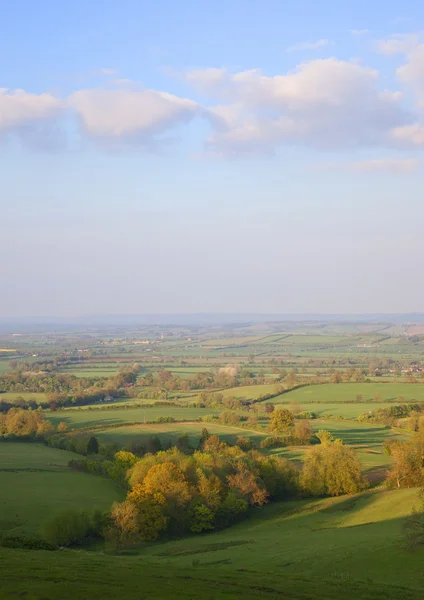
<point>331,469</point>
<point>199,492</point>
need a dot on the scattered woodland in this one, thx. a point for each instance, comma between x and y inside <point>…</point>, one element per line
<point>269,454</point>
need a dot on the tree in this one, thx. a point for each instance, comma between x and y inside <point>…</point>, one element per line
<point>281,421</point>
<point>244,442</point>
<point>245,482</point>
<point>202,519</point>
<point>182,443</point>
<point>92,446</point>
<point>124,530</point>
<point>205,435</point>
<point>408,464</point>
<point>303,430</point>
<point>62,427</point>
<point>325,437</point>
<point>331,469</point>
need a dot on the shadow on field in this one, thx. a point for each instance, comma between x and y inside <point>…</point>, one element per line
<point>363,435</point>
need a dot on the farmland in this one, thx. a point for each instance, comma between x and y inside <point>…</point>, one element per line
<point>35,483</point>
<point>348,392</point>
<point>317,548</point>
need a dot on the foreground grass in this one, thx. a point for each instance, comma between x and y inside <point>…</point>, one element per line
<point>348,538</point>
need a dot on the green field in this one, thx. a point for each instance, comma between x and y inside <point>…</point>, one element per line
<point>350,548</point>
<point>97,416</point>
<point>35,482</point>
<point>345,411</point>
<point>251,391</point>
<point>171,431</point>
<point>347,392</point>
<point>12,396</point>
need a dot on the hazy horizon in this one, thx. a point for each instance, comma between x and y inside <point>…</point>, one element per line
<point>174,158</point>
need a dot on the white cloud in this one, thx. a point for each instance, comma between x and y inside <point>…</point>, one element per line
<point>323,103</point>
<point>397,44</point>
<point>409,134</point>
<point>413,71</point>
<point>386,165</point>
<point>19,108</point>
<point>130,113</point>
<point>301,46</point>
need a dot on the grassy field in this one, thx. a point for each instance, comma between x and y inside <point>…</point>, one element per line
<point>345,411</point>
<point>75,575</point>
<point>171,431</point>
<point>11,396</point>
<point>347,538</point>
<point>347,392</point>
<point>350,548</point>
<point>97,416</point>
<point>35,483</point>
<point>251,391</point>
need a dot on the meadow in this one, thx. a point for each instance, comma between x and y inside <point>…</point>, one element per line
<point>349,548</point>
<point>35,482</point>
<point>77,419</point>
<point>12,396</point>
<point>348,392</point>
<point>171,431</point>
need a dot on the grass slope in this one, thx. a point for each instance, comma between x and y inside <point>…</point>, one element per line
<point>349,547</point>
<point>35,482</point>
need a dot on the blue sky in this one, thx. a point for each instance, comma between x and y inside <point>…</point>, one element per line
<point>211,157</point>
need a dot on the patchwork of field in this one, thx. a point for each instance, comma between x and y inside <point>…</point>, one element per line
<point>35,482</point>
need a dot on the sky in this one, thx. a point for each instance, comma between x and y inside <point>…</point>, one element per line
<point>231,156</point>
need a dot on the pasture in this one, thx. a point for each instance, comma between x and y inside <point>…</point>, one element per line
<point>12,396</point>
<point>35,482</point>
<point>171,431</point>
<point>348,392</point>
<point>77,419</point>
<point>251,392</point>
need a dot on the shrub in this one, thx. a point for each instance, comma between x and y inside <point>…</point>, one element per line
<point>15,541</point>
<point>272,442</point>
<point>67,528</point>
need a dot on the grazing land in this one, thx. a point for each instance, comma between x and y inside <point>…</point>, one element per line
<point>35,482</point>
<point>114,386</point>
<point>348,392</point>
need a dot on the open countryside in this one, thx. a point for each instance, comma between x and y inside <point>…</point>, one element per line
<point>83,445</point>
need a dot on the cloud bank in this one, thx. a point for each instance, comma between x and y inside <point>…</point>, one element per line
<point>325,104</point>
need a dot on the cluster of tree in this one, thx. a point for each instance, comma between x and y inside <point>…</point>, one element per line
<point>19,422</point>
<point>209,489</point>
<point>293,431</point>
<point>390,415</point>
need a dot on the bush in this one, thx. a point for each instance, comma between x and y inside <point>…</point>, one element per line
<point>67,528</point>
<point>272,442</point>
<point>15,541</point>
